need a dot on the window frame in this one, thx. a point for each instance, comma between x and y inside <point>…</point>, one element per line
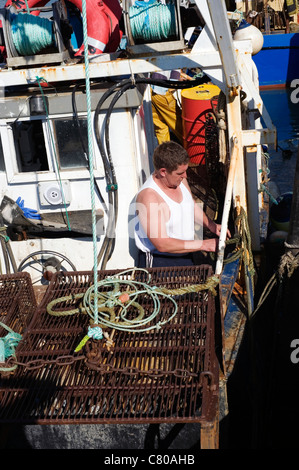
<point>14,176</point>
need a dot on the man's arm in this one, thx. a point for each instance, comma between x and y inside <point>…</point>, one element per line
<point>201,218</point>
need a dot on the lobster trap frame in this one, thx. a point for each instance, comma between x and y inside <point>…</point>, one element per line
<point>165,375</point>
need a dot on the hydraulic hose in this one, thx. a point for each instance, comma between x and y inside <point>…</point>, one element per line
<point>75,111</point>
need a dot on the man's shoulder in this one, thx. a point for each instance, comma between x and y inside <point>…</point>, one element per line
<point>148,195</point>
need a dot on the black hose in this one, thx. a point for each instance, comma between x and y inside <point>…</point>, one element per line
<point>77,121</point>
<point>113,219</point>
<point>8,255</point>
<point>109,240</point>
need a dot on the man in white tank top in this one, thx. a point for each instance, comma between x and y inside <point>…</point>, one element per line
<point>166,213</point>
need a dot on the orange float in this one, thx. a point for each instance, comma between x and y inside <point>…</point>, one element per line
<point>196,103</point>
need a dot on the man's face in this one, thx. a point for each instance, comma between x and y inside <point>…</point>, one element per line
<point>174,178</point>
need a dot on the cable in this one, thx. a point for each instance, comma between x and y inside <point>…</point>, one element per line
<point>77,121</point>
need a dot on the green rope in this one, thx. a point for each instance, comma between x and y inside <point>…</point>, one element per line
<point>7,347</point>
<point>90,149</point>
<point>152,21</point>
<point>31,34</point>
<point>243,244</point>
<point>27,7</point>
<point>265,173</point>
<point>4,236</point>
<point>246,242</point>
<point>241,17</point>
<point>263,188</point>
<point>210,284</point>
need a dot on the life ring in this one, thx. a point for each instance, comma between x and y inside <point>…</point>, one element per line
<point>102,16</point>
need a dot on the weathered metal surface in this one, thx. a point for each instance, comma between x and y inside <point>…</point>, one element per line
<point>60,101</point>
<point>234,324</point>
<point>169,374</point>
<point>228,279</point>
<point>109,65</point>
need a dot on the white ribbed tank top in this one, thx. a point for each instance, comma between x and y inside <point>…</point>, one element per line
<point>181,221</point>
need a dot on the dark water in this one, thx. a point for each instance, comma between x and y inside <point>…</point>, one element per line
<point>284,112</point>
<point>264,412</point>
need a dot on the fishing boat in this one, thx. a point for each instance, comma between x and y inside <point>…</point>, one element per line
<point>88,339</point>
<point>277,61</point>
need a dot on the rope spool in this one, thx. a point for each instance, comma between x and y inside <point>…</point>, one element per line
<point>155,23</point>
<point>152,21</point>
<point>31,34</point>
<point>35,40</point>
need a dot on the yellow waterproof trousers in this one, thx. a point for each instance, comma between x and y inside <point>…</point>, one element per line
<point>166,115</point>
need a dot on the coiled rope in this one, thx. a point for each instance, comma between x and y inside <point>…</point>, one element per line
<point>152,21</point>
<point>243,244</point>
<point>117,303</point>
<point>31,34</point>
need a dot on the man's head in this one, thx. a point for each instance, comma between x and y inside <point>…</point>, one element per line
<point>170,155</point>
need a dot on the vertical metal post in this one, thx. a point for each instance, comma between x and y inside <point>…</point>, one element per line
<point>236,184</point>
<point>222,31</point>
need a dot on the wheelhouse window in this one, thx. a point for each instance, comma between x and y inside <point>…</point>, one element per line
<point>36,148</point>
<point>30,146</point>
<point>72,142</point>
<point>67,143</point>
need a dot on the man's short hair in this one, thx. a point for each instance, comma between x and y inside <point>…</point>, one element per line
<point>170,155</point>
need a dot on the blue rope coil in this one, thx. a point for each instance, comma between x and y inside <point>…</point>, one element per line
<point>31,34</point>
<point>152,20</point>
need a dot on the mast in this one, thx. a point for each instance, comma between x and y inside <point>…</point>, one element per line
<point>267,17</point>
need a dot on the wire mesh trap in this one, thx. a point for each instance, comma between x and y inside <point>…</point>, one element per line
<point>17,302</point>
<point>165,372</point>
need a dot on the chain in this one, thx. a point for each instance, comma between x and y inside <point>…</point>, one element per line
<point>134,371</point>
<point>104,368</point>
<point>39,363</point>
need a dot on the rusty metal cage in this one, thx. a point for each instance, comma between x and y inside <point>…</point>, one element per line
<point>167,374</point>
<point>17,302</point>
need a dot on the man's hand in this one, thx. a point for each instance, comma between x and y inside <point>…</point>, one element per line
<point>217,230</point>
